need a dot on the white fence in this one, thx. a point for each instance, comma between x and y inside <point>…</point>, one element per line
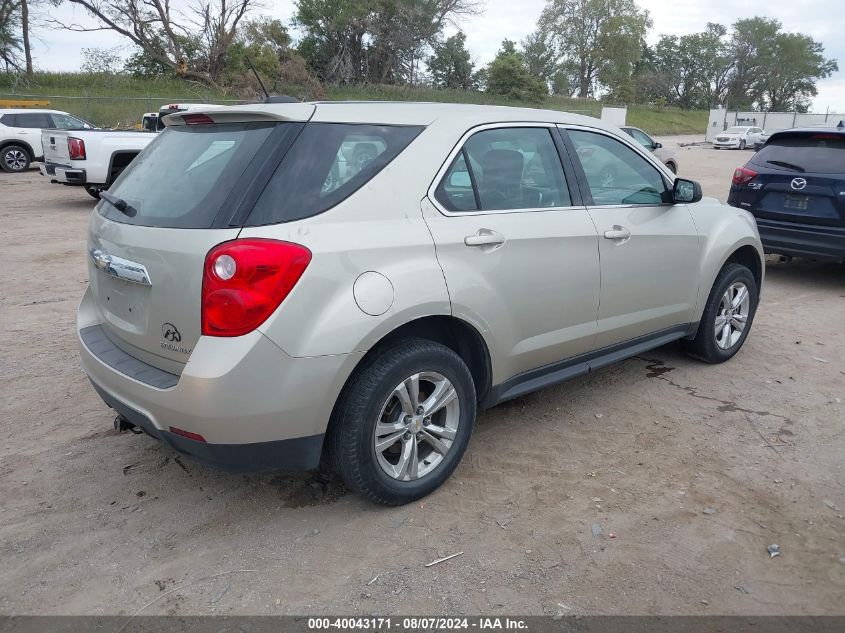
<point>720,119</point>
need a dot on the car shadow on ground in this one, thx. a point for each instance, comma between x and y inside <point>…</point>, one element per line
<point>830,275</point>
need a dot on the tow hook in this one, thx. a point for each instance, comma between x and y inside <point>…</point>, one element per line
<point>122,424</point>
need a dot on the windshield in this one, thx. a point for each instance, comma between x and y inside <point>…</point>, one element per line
<point>186,174</point>
<point>736,130</point>
<point>819,153</point>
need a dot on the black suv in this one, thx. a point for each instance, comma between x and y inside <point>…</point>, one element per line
<point>795,187</point>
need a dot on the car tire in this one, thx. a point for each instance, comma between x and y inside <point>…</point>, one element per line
<point>370,428</point>
<point>14,159</point>
<point>672,167</point>
<point>742,144</point>
<point>719,338</point>
<point>94,192</point>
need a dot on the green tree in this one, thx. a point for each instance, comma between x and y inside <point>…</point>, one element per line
<point>690,71</point>
<point>168,36</point>
<point>10,38</point>
<point>751,46</point>
<point>791,84</point>
<point>541,58</point>
<point>597,42</point>
<point>775,70</point>
<point>450,65</point>
<point>379,41</point>
<point>508,75</point>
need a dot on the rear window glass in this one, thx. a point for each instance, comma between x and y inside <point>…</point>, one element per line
<point>327,164</point>
<point>184,177</point>
<point>820,153</point>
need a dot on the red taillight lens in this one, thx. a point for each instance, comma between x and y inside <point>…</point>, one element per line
<point>197,119</point>
<point>245,280</point>
<point>75,148</point>
<point>743,175</point>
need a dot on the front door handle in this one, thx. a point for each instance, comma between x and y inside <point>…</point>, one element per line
<point>617,233</point>
<point>485,237</point>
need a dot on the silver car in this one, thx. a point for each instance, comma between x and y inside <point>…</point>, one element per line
<point>663,154</point>
<point>252,304</point>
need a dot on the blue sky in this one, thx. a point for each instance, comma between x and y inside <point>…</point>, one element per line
<point>514,19</point>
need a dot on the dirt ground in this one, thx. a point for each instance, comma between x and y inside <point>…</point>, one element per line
<point>690,471</point>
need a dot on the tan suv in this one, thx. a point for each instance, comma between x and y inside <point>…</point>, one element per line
<point>269,281</point>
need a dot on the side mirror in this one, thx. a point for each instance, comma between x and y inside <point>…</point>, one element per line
<point>657,145</point>
<point>686,191</point>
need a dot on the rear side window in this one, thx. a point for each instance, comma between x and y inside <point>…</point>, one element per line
<point>328,163</point>
<point>186,174</point>
<point>510,168</point>
<point>8,120</point>
<point>67,122</point>
<point>33,120</point>
<point>819,153</point>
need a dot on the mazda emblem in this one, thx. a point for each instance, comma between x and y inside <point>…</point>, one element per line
<point>798,183</point>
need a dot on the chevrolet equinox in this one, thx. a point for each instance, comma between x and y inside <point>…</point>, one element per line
<point>268,281</point>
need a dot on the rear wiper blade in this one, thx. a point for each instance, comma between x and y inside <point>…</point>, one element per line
<point>119,203</point>
<point>781,163</point>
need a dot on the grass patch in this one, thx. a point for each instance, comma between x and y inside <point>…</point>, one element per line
<point>120,100</point>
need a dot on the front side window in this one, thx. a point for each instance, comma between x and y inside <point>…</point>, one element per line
<point>615,173</point>
<point>33,120</point>
<point>327,163</point>
<point>505,169</point>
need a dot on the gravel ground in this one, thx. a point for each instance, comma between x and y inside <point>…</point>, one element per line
<point>689,471</point>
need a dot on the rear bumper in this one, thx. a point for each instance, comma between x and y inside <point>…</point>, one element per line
<point>63,174</point>
<point>301,453</point>
<point>802,240</point>
<point>256,407</point>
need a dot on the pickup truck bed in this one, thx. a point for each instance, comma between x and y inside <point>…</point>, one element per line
<point>99,156</point>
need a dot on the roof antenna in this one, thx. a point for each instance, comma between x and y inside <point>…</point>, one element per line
<point>841,123</point>
<point>258,77</point>
<point>268,98</point>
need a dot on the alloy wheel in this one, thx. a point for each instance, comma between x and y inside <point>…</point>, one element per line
<point>417,426</point>
<point>15,160</point>
<point>732,315</point>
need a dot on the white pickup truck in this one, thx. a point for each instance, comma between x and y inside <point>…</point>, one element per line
<point>95,158</point>
<point>90,158</point>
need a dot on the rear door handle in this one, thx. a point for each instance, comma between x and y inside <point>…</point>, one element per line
<point>485,237</point>
<point>617,233</point>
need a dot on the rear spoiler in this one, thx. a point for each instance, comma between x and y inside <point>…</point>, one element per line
<point>277,112</point>
<point>808,132</point>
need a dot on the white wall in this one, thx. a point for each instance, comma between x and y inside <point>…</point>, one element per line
<point>769,121</point>
<point>614,116</point>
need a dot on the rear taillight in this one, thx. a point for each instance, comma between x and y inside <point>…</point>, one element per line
<point>743,175</point>
<point>75,148</point>
<point>245,280</point>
